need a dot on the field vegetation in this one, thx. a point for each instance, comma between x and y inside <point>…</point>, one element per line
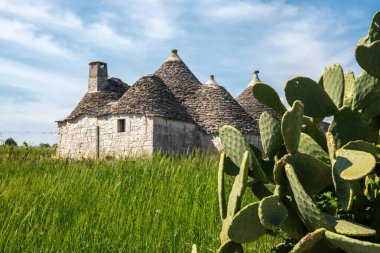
<point>157,204</point>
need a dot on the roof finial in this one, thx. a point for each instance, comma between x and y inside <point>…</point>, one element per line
<point>255,78</point>
<point>173,56</point>
<point>211,80</point>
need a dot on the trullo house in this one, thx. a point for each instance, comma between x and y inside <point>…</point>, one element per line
<point>169,111</point>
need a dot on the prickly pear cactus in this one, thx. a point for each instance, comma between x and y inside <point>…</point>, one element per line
<point>302,163</point>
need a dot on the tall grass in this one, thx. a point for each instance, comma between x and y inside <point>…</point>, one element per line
<point>158,204</point>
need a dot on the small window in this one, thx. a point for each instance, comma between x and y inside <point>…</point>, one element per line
<point>120,125</point>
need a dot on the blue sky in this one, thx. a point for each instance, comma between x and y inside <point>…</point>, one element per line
<point>45,47</point>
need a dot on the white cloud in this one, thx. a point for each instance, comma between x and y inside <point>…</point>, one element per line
<point>245,11</point>
<point>27,36</point>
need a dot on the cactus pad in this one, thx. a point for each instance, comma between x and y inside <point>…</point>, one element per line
<point>343,188</point>
<point>349,228</point>
<point>368,56</point>
<point>333,83</point>
<point>313,174</point>
<point>317,102</point>
<point>311,215</point>
<point>374,29</point>
<point>230,247</point>
<point>272,212</point>
<point>359,129</point>
<point>362,146</point>
<point>292,224</point>
<point>354,164</point>
<point>349,86</point>
<point>238,188</point>
<point>245,225</point>
<point>309,240</point>
<point>366,89</point>
<point>312,130</point>
<point>309,146</point>
<point>351,245</point>
<point>291,127</point>
<point>234,143</point>
<point>266,95</point>
<point>270,133</point>
<point>221,188</point>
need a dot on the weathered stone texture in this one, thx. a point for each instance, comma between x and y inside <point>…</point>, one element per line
<point>78,138</point>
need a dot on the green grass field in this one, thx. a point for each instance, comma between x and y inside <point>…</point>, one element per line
<point>162,204</point>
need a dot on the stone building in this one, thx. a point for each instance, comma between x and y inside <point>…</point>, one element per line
<point>168,111</point>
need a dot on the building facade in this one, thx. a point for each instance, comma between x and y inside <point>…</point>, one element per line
<point>168,111</point>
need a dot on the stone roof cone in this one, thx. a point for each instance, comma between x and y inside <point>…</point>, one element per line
<point>150,96</point>
<point>180,80</point>
<point>250,104</point>
<point>216,108</point>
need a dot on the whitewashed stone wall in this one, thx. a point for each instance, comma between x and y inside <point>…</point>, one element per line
<point>172,136</point>
<point>143,135</point>
<point>78,138</point>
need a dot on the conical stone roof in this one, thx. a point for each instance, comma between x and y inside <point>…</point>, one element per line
<point>98,103</point>
<point>180,80</point>
<point>250,104</point>
<point>151,97</point>
<point>216,108</point>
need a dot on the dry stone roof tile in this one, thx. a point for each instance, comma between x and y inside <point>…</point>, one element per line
<point>151,97</point>
<point>250,104</point>
<point>98,103</point>
<point>216,108</point>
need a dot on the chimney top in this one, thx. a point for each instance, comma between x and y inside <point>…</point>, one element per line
<point>211,81</point>
<point>173,56</point>
<point>97,62</point>
<point>255,78</point>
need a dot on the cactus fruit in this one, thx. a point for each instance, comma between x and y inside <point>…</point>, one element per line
<point>245,225</point>
<point>309,212</point>
<point>266,95</point>
<point>309,241</point>
<point>354,164</point>
<point>333,83</point>
<point>351,245</point>
<point>317,102</point>
<point>270,132</point>
<point>291,127</point>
